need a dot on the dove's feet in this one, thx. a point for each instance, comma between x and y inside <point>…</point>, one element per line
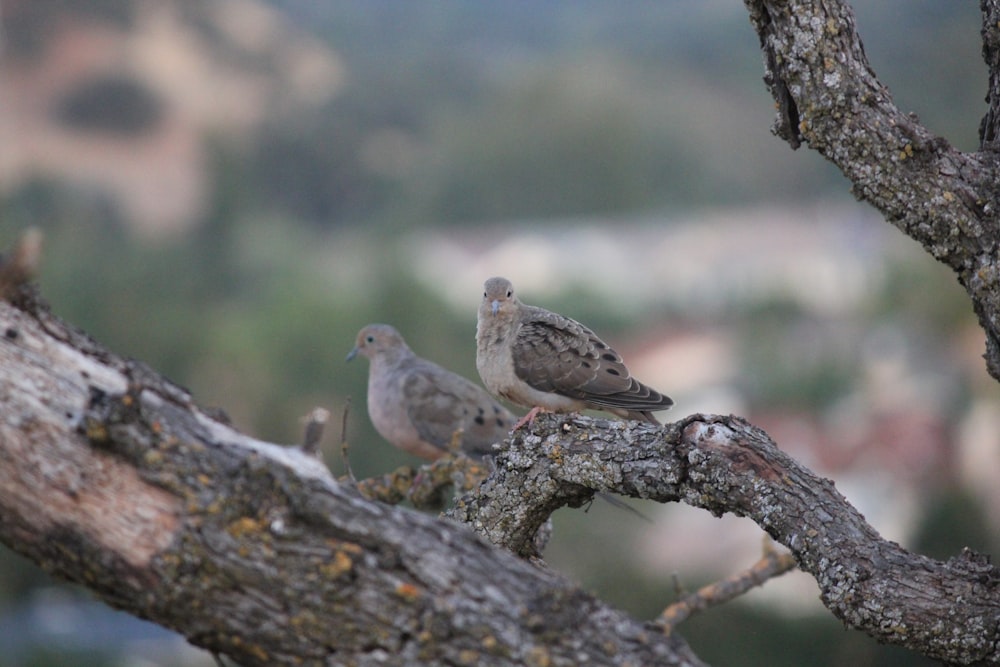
<point>528,418</point>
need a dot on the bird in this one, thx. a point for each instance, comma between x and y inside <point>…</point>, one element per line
<point>421,407</point>
<point>541,360</point>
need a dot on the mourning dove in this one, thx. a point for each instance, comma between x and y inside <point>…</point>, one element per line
<point>539,359</point>
<point>421,407</point>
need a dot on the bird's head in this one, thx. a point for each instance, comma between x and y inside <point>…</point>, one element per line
<point>376,339</point>
<point>498,295</point>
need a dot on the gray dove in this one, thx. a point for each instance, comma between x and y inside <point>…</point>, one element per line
<point>420,407</point>
<point>545,361</point>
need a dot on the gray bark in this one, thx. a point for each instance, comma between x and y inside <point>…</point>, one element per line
<point>829,98</point>
<point>947,610</point>
<point>111,477</point>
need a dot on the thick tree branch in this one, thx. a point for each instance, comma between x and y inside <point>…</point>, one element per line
<point>829,97</point>
<point>946,610</point>
<point>111,477</point>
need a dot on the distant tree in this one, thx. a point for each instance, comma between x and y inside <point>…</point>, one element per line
<point>113,478</point>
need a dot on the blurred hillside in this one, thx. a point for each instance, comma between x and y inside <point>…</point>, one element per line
<point>117,99</point>
<point>231,189</point>
<point>388,114</point>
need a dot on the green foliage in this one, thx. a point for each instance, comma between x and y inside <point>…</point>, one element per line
<point>562,143</point>
<point>578,111</point>
<point>582,108</point>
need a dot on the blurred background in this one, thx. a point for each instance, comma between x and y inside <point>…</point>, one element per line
<point>231,189</point>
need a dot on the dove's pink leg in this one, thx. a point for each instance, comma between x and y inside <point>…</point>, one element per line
<point>528,418</point>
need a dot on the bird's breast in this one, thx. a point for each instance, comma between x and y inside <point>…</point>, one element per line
<point>494,361</point>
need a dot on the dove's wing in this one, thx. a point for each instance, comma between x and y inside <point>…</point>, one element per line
<point>442,406</point>
<point>553,353</point>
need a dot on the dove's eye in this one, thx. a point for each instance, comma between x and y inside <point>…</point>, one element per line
<point>484,295</point>
<point>369,339</point>
<point>509,292</point>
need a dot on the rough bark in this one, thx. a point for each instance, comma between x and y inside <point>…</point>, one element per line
<point>829,98</point>
<point>945,610</point>
<point>111,477</point>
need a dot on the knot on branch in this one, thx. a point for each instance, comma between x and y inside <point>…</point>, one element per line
<point>115,422</point>
<point>786,123</point>
<point>563,460</point>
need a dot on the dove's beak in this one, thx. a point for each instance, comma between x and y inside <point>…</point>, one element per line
<point>495,305</point>
<point>350,355</point>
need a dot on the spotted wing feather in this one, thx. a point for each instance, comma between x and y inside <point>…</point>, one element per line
<point>557,354</point>
<point>440,404</point>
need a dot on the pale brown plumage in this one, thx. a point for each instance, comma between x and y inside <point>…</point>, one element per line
<point>540,359</point>
<point>419,407</point>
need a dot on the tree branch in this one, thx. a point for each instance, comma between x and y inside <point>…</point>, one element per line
<point>111,477</point>
<point>771,564</point>
<point>829,97</point>
<point>945,610</point>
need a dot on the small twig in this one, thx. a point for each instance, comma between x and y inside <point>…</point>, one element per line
<point>771,564</point>
<point>343,441</point>
<point>679,590</point>
<point>313,433</point>
<point>21,265</point>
